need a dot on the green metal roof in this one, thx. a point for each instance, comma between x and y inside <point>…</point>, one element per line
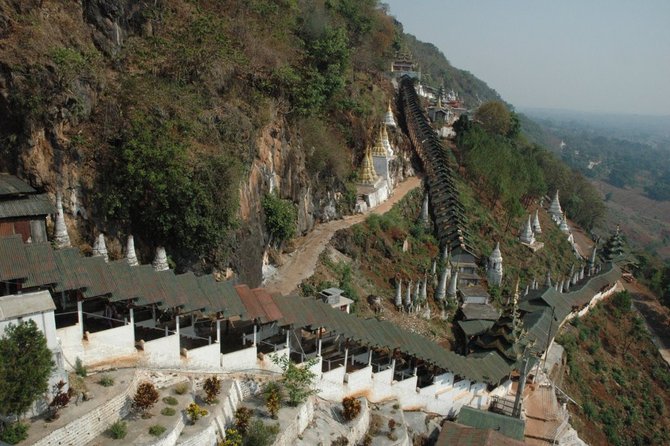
<point>27,206</point>
<point>13,261</point>
<point>508,426</point>
<point>475,327</point>
<point>11,185</point>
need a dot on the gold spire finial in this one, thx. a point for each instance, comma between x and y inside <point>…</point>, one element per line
<point>368,174</point>
<point>378,149</point>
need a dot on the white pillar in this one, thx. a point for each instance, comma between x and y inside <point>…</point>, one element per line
<point>369,358</point>
<point>80,317</point>
<point>346,357</point>
<point>392,368</point>
<point>318,351</point>
<point>254,345</point>
<point>288,340</point>
<point>153,314</point>
<point>177,325</point>
<point>218,331</point>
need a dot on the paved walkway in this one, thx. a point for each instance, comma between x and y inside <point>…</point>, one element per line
<point>301,263</point>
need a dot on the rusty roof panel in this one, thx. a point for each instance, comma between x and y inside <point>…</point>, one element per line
<point>250,302</point>
<point>13,261</point>
<point>272,312</point>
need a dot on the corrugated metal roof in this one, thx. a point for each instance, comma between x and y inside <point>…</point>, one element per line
<point>272,312</point>
<point>13,261</point>
<point>73,274</point>
<point>42,265</point>
<point>508,426</point>
<point>28,206</point>
<point>250,302</point>
<point>11,185</point>
<point>453,434</point>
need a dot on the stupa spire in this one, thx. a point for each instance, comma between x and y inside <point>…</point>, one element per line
<point>536,223</point>
<point>61,237</point>
<point>160,262</point>
<point>100,248</point>
<point>368,174</point>
<point>131,257</point>
<point>555,206</point>
<point>389,120</point>
<point>527,235</point>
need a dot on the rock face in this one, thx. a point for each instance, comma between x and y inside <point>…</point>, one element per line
<point>279,167</point>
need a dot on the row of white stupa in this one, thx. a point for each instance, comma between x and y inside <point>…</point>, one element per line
<point>62,240</point>
<point>415,296</point>
<point>532,228</point>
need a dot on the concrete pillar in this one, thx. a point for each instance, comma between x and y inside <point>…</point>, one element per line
<point>166,331</point>
<point>288,340</point>
<point>153,314</point>
<point>218,331</point>
<point>177,324</point>
<point>369,358</point>
<point>132,317</point>
<point>318,348</point>
<point>416,369</point>
<point>80,317</point>
<point>346,356</point>
<point>254,344</point>
<point>392,368</point>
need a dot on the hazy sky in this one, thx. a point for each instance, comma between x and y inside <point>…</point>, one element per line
<point>588,55</point>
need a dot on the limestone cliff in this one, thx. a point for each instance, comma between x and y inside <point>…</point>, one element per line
<point>171,120</point>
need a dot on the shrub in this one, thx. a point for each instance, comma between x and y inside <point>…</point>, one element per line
<point>79,368</point>
<point>280,217</point>
<point>145,397</point>
<point>168,411</point>
<point>170,400</point>
<point>233,438</point>
<point>14,433</point>
<point>260,434</point>
<point>157,430</point>
<point>194,412</point>
<point>181,388</point>
<point>212,388</point>
<point>242,417</point>
<point>60,400</point>
<point>351,407</point>
<point>118,430</point>
<point>340,441</point>
<point>272,394</point>
<point>106,381</point>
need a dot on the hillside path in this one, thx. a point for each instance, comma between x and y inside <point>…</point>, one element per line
<point>301,263</point>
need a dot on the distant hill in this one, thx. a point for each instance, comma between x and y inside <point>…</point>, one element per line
<point>436,70</point>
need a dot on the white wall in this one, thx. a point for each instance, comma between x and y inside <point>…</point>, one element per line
<point>240,360</point>
<point>207,357</point>
<point>162,352</point>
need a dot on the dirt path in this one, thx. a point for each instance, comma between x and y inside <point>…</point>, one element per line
<point>300,264</point>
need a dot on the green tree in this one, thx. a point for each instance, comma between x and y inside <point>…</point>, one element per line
<point>298,381</point>
<point>496,118</point>
<point>25,366</point>
<point>280,217</point>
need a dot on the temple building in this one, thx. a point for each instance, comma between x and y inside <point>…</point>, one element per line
<point>555,209</point>
<point>372,189</point>
<point>403,65</point>
<point>23,210</point>
<point>389,119</point>
<point>527,236</point>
